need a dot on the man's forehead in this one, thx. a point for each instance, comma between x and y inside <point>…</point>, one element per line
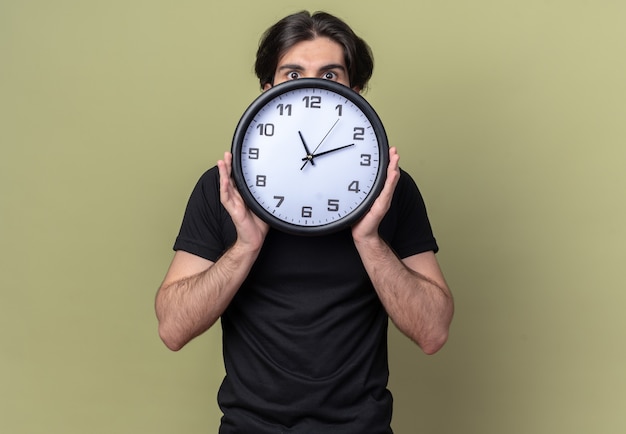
<point>319,51</point>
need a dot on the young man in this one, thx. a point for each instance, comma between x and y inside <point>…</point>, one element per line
<point>304,319</point>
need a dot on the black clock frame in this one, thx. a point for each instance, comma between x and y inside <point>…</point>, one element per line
<point>274,92</point>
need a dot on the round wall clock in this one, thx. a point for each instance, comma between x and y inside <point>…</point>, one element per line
<point>310,156</point>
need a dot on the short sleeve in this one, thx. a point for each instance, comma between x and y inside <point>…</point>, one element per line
<point>406,226</point>
<point>207,230</point>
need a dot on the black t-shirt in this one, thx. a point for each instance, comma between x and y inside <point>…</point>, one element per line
<point>305,337</point>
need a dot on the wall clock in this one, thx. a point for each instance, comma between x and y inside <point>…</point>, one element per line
<point>310,156</point>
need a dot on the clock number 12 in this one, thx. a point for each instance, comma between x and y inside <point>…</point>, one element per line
<point>312,101</point>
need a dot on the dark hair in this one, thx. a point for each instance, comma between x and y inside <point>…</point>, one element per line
<point>303,26</point>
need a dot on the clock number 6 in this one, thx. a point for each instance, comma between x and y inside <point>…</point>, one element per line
<point>307,212</point>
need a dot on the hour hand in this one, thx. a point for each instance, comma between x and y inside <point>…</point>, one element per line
<point>309,156</point>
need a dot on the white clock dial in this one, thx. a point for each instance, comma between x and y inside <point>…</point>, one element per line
<point>310,157</point>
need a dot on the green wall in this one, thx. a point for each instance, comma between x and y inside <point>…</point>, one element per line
<point>510,114</point>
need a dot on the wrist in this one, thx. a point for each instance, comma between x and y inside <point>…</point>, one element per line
<point>372,242</point>
<point>247,247</point>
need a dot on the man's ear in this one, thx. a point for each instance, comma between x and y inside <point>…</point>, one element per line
<point>267,86</point>
<point>357,89</point>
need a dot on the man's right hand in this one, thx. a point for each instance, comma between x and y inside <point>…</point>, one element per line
<point>251,230</point>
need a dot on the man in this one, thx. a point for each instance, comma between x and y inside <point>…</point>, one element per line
<point>304,319</point>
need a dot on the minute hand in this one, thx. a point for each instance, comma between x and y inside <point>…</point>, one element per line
<point>328,152</point>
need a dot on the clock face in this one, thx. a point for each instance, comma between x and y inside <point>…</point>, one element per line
<point>310,156</point>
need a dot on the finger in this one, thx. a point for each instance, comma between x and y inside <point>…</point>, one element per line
<point>394,160</point>
<point>228,191</point>
<point>228,160</point>
<point>224,176</point>
<point>393,173</point>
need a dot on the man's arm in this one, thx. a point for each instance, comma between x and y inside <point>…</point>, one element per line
<point>196,291</point>
<point>413,291</point>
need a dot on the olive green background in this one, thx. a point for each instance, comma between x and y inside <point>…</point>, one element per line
<point>511,115</point>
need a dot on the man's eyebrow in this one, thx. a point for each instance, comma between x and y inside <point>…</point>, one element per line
<point>333,66</point>
<point>291,66</point>
<point>296,67</point>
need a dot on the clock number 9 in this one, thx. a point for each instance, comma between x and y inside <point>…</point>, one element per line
<point>253,153</point>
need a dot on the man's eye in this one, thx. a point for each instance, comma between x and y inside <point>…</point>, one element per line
<point>293,75</point>
<point>329,76</point>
